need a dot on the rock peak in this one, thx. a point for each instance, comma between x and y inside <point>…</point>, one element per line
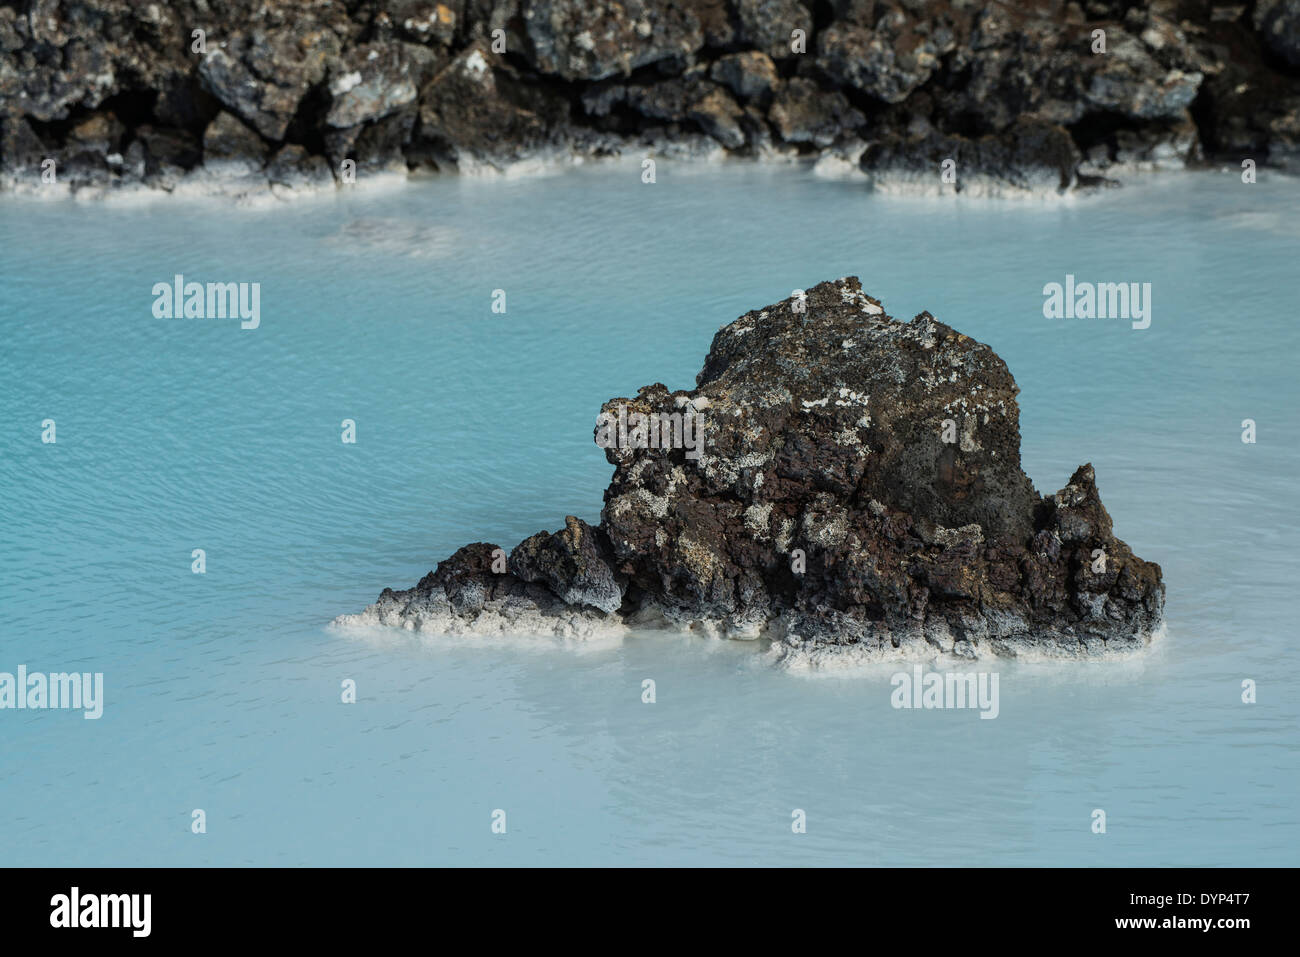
<point>838,480</point>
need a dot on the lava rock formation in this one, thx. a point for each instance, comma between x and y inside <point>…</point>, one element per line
<point>1017,95</point>
<point>859,490</point>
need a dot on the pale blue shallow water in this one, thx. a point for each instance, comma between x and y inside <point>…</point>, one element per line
<point>223,689</point>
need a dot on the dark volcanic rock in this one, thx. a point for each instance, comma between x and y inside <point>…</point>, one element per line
<point>476,112</point>
<point>749,75</point>
<point>479,591</point>
<point>1278,22</point>
<point>1030,155</point>
<point>768,25</point>
<point>294,168</point>
<point>490,84</point>
<point>177,149</point>
<point>802,113</point>
<point>228,141</point>
<point>594,39</point>
<point>575,563</point>
<point>371,83</point>
<point>859,490</point>
<point>263,72</point>
<point>888,60</point>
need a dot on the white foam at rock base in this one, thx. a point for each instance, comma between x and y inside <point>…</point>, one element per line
<point>848,660</point>
<point>491,622</point>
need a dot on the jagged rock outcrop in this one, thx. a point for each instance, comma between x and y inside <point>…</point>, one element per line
<point>1278,22</point>
<point>1019,96</point>
<point>838,481</point>
<point>477,112</point>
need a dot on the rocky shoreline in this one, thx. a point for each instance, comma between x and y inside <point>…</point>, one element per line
<point>842,483</point>
<point>242,97</point>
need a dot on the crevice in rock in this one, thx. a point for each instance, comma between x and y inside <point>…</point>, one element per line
<point>308,128</point>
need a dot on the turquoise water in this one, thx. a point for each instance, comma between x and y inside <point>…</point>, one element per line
<point>223,689</point>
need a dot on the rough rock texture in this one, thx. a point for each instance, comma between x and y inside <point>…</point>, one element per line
<point>466,595</point>
<point>123,94</point>
<point>859,490</point>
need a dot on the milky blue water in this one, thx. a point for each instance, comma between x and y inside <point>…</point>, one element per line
<point>223,689</point>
